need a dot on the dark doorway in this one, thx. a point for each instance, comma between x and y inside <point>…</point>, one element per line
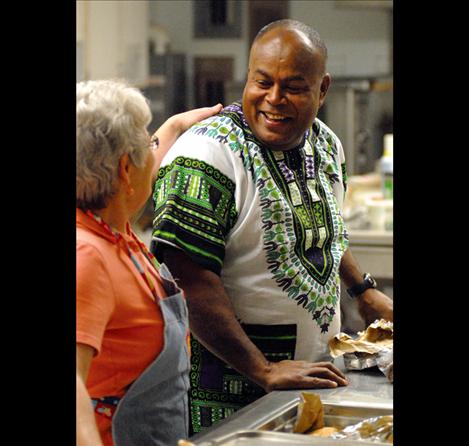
<point>210,76</point>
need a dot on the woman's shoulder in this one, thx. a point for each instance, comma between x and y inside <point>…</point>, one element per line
<point>92,248</point>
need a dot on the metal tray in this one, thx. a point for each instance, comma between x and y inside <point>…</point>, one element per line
<point>264,438</point>
<point>335,415</point>
<point>277,427</point>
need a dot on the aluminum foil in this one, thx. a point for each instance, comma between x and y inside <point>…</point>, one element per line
<point>359,360</point>
<point>384,361</point>
<point>379,429</point>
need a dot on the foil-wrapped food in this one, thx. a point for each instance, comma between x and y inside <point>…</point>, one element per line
<point>371,429</point>
<point>369,348</point>
<point>310,421</point>
<point>384,362</point>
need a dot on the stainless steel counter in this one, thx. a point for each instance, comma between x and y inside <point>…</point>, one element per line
<point>366,388</point>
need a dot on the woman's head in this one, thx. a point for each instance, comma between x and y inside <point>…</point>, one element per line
<point>112,118</point>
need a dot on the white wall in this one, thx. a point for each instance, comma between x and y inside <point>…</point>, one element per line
<point>81,32</point>
<point>358,39</point>
<point>176,17</point>
<point>112,39</point>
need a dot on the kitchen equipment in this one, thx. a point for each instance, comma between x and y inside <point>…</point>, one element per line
<point>379,213</point>
<point>277,426</point>
<point>259,438</point>
<point>387,165</point>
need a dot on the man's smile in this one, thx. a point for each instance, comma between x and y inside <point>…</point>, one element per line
<point>275,118</point>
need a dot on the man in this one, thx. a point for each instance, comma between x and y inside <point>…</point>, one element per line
<point>248,218</point>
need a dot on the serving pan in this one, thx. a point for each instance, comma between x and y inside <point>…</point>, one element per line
<point>277,427</point>
<point>265,438</point>
<point>335,415</point>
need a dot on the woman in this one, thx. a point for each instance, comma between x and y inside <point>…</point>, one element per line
<point>132,357</point>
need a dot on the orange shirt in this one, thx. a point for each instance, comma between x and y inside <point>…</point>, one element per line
<point>116,313</point>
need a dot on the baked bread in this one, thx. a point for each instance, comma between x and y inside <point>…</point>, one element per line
<point>324,431</point>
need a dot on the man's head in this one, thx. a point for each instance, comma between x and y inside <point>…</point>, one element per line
<point>286,84</point>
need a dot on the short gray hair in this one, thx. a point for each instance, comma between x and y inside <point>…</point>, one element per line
<point>112,118</point>
<point>307,30</point>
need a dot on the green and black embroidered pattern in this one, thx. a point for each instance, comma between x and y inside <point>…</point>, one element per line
<point>299,208</point>
<point>305,179</point>
<point>303,231</point>
<point>217,390</point>
<point>194,209</point>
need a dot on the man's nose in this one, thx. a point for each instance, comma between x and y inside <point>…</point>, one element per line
<point>275,95</point>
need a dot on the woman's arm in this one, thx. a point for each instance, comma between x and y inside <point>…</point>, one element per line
<point>87,430</point>
<point>176,125</point>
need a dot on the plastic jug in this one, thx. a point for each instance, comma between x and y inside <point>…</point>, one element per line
<point>387,167</point>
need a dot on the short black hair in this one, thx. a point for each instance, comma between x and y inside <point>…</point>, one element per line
<point>307,30</point>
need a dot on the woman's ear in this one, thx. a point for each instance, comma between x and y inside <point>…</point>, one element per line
<point>124,173</point>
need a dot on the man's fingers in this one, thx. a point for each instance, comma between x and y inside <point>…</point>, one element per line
<point>327,374</point>
<point>313,382</point>
<point>330,366</point>
<point>309,382</point>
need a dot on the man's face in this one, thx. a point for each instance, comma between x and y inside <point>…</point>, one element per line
<point>286,85</point>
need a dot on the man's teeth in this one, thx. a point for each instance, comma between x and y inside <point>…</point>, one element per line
<point>274,117</point>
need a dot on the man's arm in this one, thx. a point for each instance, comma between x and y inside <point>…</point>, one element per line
<point>372,304</point>
<point>213,322</point>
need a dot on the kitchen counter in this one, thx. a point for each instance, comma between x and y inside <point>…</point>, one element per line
<point>371,237</point>
<point>366,388</point>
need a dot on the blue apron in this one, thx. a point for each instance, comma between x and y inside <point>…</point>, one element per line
<point>154,410</point>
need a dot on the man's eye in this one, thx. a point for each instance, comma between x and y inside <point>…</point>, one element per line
<point>263,83</point>
<point>294,88</point>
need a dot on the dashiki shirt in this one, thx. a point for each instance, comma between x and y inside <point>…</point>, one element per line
<point>270,224</point>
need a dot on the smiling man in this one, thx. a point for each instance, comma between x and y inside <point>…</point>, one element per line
<point>286,85</point>
<point>248,218</point>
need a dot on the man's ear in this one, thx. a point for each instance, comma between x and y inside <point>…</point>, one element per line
<point>326,81</point>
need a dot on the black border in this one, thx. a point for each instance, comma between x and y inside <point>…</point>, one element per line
<point>38,161</point>
<point>429,223</point>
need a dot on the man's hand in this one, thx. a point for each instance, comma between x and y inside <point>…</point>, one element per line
<point>373,304</point>
<point>302,375</point>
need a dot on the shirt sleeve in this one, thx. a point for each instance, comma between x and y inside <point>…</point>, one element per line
<point>195,202</point>
<point>95,296</point>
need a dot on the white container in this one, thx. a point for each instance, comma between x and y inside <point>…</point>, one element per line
<point>380,213</point>
<point>387,167</point>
